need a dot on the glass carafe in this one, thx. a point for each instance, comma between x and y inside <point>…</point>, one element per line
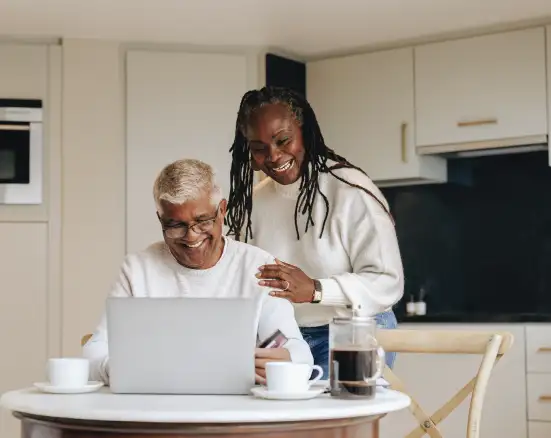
<point>356,359</point>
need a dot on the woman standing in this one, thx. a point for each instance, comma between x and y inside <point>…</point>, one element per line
<point>321,216</point>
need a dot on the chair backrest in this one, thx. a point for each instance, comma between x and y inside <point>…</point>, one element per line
<point>492,346</point>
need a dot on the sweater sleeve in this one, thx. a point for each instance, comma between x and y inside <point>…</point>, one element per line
<point>376,280</point>
<point>96,349</point>
<point>278,313</point>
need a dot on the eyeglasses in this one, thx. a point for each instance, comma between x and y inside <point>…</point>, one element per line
<point>177,231</point>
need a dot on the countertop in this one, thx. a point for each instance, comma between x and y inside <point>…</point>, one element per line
<point>106,406</point>
<point>477,318</point>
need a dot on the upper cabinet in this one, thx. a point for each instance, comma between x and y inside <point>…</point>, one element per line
<point>365,108</point>
<point>482,89</point>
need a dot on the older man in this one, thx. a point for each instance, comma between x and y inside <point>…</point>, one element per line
<point>195,259</point>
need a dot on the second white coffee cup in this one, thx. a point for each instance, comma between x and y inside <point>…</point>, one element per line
<point>290,377</point>
<point>68,372</point>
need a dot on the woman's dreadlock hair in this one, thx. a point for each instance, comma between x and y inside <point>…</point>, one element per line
<point>316,155</point>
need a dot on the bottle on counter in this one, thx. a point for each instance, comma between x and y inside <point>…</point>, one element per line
<point>411,306</point>
<point>420,305</point>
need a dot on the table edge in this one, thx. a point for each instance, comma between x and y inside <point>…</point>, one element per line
<point>100,426</point>
<point>171,417</point>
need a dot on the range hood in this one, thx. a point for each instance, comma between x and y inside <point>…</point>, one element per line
<point>515,145</point>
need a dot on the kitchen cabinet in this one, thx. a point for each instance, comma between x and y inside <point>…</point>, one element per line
<point>485,88</point>
<point>24,75</point>
<point>179,105</point>
<point>23,310</point>
<point>548,45</point>
<point>433,379</point>
<point>538,379</point>
<point>365,107</point>
<point>538,429</point>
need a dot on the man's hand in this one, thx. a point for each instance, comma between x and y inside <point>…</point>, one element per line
<point>265,355</point>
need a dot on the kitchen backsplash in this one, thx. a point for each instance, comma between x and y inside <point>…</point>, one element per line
<point>481,245</point>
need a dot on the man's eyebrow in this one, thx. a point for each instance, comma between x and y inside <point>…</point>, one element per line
<point>171,221</point>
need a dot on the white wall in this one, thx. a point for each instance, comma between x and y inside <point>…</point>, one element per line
<point>179,105</point>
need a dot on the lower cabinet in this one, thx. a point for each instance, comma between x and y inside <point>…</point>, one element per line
<point>23,311</point>
<point>433,379</point>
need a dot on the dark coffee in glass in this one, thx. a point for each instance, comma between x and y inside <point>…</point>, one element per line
<point>349,370</point>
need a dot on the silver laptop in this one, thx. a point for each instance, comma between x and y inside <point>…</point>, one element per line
<point>182,345</point>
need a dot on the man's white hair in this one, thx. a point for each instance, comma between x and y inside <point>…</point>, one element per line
<point>186,180</point>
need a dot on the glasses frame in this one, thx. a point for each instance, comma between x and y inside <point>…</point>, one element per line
<point>198,227</point>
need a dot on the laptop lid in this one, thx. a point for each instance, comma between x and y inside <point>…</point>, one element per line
<point>182,345</point>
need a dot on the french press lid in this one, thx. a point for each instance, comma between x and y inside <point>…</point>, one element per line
<point>354,315</point>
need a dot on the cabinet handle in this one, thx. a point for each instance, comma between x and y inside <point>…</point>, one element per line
<point>544,350</point>
<point>477,123</point>
<point>544,398</point>
<point>14,128</point>
<point>404,142</point>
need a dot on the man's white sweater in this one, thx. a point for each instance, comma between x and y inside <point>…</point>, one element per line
<point>357,259</point>
<point>155,273</point>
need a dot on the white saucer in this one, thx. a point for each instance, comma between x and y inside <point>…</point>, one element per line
<point>46,387</point>
<point>262,392</point>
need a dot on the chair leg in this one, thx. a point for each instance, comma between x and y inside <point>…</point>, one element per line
<point>426,424</point>
<point>479,391</point>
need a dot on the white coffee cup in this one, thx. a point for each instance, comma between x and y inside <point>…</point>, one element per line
<point>290,377</point>
<point>68,372</point>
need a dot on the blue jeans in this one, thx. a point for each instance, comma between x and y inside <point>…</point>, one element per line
<point>318,340</point>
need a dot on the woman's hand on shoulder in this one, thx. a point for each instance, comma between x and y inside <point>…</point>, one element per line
<point>289,281</point>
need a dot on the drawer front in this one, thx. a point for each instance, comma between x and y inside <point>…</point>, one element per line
<point>539,429</point>
<point>539,397</point>
<point>538,348</point>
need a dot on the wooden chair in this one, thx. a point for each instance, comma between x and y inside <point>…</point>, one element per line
<point>492,346</point>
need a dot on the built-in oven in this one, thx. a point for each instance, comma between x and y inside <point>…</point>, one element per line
<point>21,150</point>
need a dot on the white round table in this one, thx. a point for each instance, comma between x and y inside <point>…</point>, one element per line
<point>161,416</point>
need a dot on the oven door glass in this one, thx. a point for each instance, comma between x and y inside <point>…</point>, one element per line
<point>14,154</point>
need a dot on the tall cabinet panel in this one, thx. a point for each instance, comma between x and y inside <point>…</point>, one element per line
<point>23,310</point>
<point>179,105</point>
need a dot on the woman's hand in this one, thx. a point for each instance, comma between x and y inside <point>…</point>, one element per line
<point>293,284</point>
<point>265,355</point>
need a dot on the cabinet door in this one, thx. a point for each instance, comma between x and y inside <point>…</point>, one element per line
<point>179,105</point>
<point>539,429</point>
<point>364,105</point>
<point>548,32</point>
<point>434,378</point>
<point>483,88</point>
<point>23,310</point>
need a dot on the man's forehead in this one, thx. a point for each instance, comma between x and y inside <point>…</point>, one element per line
<point>187,211</point>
